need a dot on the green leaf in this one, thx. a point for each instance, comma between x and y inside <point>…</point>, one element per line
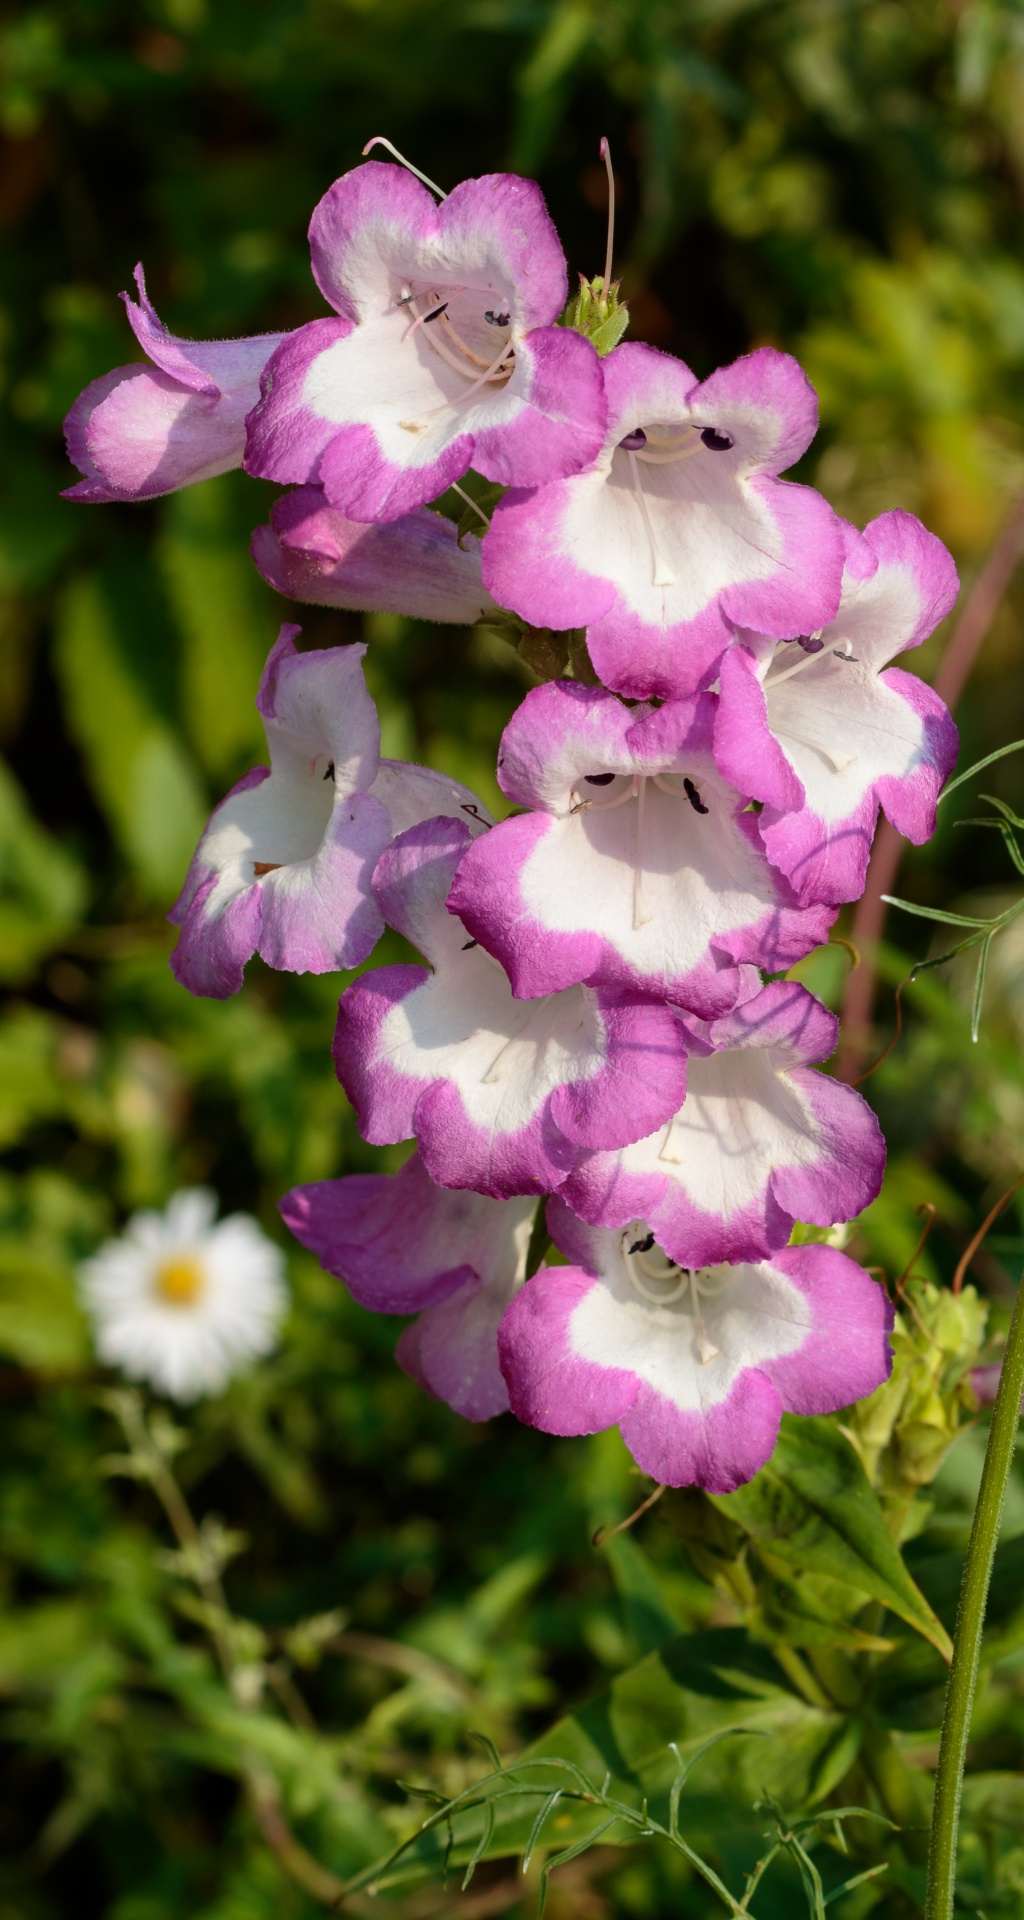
<point>42,888</point>
<point>813,1505</point>
<point>138,771</point>
<point>228,621</point>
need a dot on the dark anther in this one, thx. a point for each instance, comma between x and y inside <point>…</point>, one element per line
<point>497,319</point>
<point>643,1246</point>
<point>840,655</point>
<point>404,299</point>
<point>694,797</point>
<point>633,442</point>
<point>718,442</point>
<point>812,646</point>
<point>437,312</point>
<point>260,867</point>
<point>329,775</point>
<point>599,779</point>
<point>470,943</point>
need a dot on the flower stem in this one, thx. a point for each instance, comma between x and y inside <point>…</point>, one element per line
<point>970,1620</point>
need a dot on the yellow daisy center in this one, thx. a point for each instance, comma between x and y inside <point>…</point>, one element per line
<point>180,1280</point>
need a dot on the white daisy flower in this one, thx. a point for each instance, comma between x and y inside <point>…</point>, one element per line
<point>183,1302</point>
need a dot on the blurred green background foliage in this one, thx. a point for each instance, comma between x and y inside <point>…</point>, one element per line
<point>841,178</point>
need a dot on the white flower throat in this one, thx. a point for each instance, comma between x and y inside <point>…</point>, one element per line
<point>662,1282</point>
<point>636,789</point>
<point>811,649</point>
<point>443,316</point>
<point>662,447</point>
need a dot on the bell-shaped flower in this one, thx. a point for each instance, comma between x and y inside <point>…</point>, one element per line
<point>285,865</point>
<point>694,1365</point>
<point>403,1245</point>
<point>680,529</point>
<point>416,566</point>
<point>637,864</point>
<point>502,1095</point>
<point>760,1141</point>
<point>442,356</point>
<point>145,430</point>
<point>825,731</point>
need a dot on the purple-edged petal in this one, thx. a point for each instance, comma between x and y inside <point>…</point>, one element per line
<point>502,1095</point>
<point>825,732</point>
<point>639,865</point>
<point>142,431</point>
<point>760,1141</point>
<point>680,527</point>
<point>443,355</point>
<point>286,864</point>
<point>400,1243</point>
<point>694,1367</point>
<point>403,1245</point>
<point>414,566</point>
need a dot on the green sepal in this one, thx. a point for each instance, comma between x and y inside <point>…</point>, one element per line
<point>598,313</point>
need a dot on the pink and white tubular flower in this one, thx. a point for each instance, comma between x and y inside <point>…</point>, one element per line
<point>694,1365</point>
<point>760,1141</point>
<point>145,430</point>
<point>443,354</point>
<point>823,735</point>
<point>502,1095</point>
<point>284,867</point>
<point>638,864</point>
<point>403,1245</point>
<point>415,566</point>
<point>680,528</point>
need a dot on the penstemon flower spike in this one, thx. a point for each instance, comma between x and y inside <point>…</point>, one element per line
<point>696,786</point>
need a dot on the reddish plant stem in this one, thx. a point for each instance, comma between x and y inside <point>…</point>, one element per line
<point>980,609</point>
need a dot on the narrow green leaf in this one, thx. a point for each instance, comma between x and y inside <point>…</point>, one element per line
<point>482,1844</point>
<point>934,913</point>
<point>542,1813</point>
<point>813,1505</point>
<point>999,754</point>
<point>979,986</point>
<point>570,1853</point>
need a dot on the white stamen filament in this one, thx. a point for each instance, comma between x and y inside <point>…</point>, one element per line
<point>494,1074</point>
<point>663,575</point>
<point>438,343</point>
<point>380,141</point>
<point>470,502</point>
<point>652,1264</point>
<point>663,449</point>
<point>637,790</point>
<point>641,911</point>
<point>671,1150</point>
<point>801,665</point>
<point>448,406</point>
<point>837,761</point>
